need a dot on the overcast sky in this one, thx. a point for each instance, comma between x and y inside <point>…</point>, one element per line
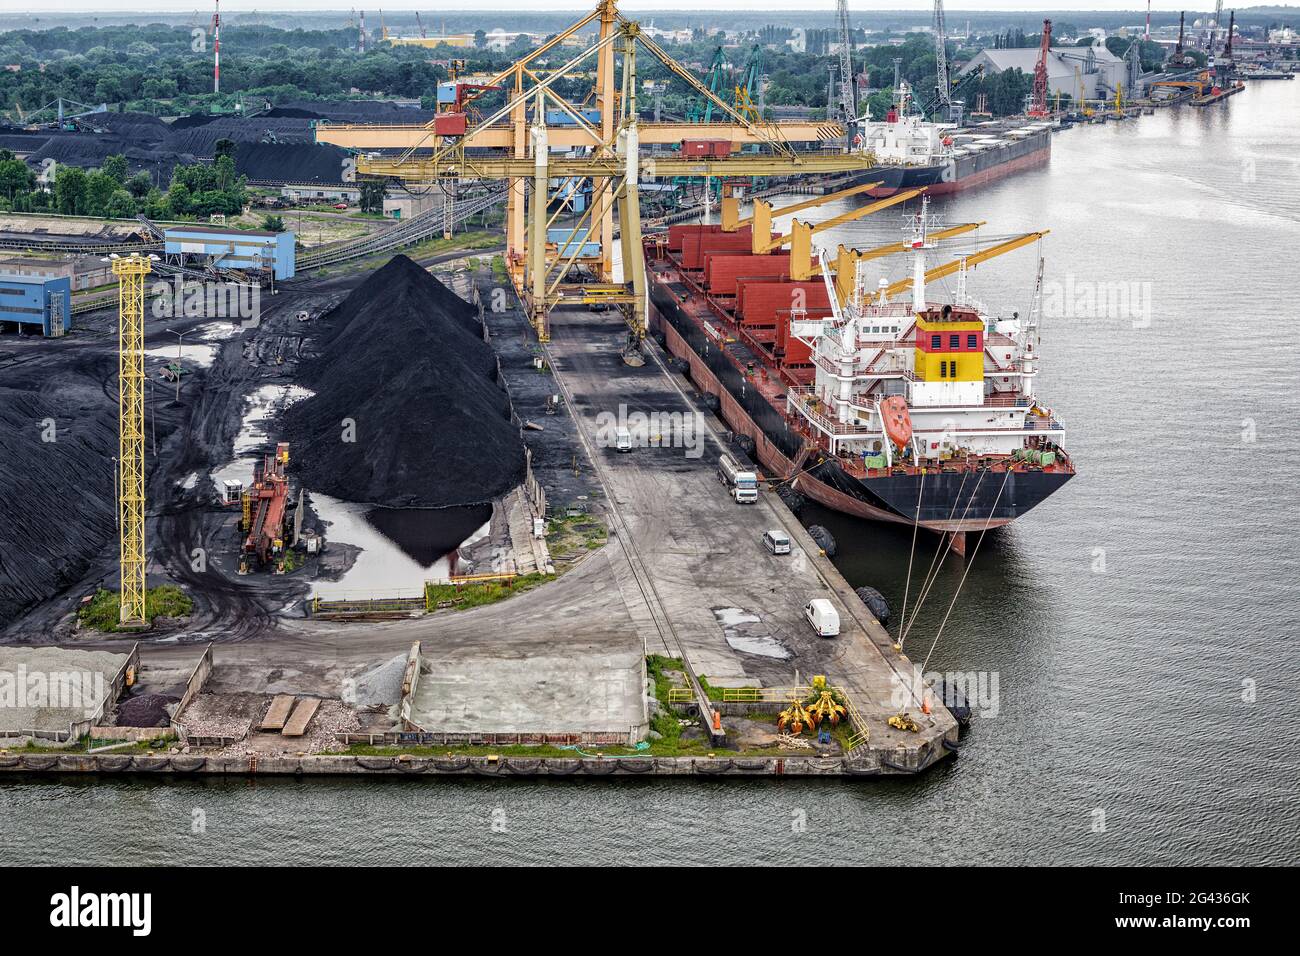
<point>188,6</point>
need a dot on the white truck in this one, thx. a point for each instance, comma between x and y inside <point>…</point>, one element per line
<point>823,617</point>
<point>742,485</point>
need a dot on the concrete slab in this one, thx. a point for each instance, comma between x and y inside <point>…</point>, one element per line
<point>562,691</point>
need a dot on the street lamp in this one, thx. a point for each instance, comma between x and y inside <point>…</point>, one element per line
<point>179,337</point>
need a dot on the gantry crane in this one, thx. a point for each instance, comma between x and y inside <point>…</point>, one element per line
<point>515,143</point>
<point>941,60</point>
<point>130,272</point>
<point>848,86</point>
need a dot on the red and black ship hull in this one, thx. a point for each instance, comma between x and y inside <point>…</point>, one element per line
<point>949,501</point>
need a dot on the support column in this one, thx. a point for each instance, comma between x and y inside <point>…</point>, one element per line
<point>603,214</point>
<point>515,201</point>
<point>537,225</point>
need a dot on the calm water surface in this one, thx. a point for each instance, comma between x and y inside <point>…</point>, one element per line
<point>1121,690</point>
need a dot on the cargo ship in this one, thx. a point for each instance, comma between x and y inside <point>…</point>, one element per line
<point>899,411</point>
<point>949,158</point>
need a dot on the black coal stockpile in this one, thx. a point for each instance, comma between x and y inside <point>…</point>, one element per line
<point>403,358</point>
<point>353,111</point>
<point>60,439</point>
<point>202,139</point>
<point>291,162</point>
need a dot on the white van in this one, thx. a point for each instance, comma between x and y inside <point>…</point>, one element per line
<point>623,439</point>
<point>823,617</point>
<point>778,542</point>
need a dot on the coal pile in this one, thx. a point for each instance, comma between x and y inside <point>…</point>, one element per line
<point>403,357</point>
<point>145,710</point>
<point>49,443</point>
<point>201,139</point>
<point>353,111</point>
<point>291,162</point>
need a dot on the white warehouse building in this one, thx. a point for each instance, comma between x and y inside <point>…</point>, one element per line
<point>1098,68</point>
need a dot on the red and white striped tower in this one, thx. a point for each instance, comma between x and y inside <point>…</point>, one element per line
<point>1147,35</point>
<point>216,49</point>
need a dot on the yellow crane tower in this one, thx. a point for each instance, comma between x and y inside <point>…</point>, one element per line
<point>130,272</point>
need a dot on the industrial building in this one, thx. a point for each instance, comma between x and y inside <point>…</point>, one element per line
<point>232,249</point>
<point>86,272</point>
<point>28,301</point>
<point>307,192</point>
<point>1099,70</point>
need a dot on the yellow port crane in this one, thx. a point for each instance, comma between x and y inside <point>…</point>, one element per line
<point>130,272</point>
<point>599,140</point>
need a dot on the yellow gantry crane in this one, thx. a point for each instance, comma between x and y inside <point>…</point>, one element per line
<point>600,140</point>
<point>130,272</point>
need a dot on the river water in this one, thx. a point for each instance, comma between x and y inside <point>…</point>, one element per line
<point>1142,624</point>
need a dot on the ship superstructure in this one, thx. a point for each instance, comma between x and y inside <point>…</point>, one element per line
<point>965,375</point>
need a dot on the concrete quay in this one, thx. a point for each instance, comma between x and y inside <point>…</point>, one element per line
<point>695,576</point>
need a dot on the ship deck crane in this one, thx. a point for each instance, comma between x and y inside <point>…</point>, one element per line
<point>965,262</point>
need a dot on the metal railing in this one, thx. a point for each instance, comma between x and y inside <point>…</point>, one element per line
<point>415,230</point>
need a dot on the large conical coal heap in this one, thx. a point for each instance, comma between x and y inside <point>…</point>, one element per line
<point>407,411</point>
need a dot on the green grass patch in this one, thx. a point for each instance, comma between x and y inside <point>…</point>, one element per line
<point>105,608</point>
<point>499,270</point>
<point>458,597</point>
<point>711,692</point>
<point>566,535</point>
<point>659,668</point>
<point>84,744</point>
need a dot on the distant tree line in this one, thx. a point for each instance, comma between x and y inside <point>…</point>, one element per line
<point>196,191</point>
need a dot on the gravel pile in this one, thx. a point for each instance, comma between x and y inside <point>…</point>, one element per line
<point>381,685</point>
<point>52,668</point>
<point>332,717</point>
<point>403,359</point>
<point>223,715</point>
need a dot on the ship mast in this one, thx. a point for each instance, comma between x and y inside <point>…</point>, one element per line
<point>919,245</point>
<point>1029,345</point>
